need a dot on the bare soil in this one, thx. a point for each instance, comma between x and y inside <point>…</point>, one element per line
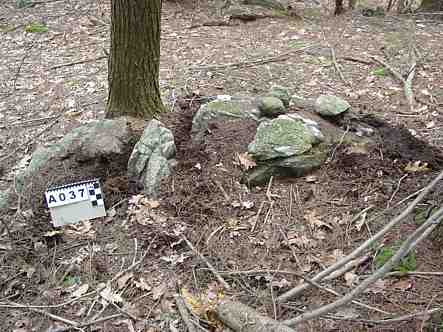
<point>293,224</point>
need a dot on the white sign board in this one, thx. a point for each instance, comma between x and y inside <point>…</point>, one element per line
<point>75,202</point>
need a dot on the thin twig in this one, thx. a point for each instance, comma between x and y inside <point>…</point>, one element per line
<point>250,63</point>
<point>181,306</point>
<point>310,281</point>
<point>367,244</point>
<point>416,237</point>
<point>69,64</point>
<point>209,265</point>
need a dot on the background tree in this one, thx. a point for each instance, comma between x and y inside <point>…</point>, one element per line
<point>134,59</point>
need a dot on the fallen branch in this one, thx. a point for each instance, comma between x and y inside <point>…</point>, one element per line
<point>407,83</point>
<point>181,306</point>
<point>363,247</point>
<point>242,318</point>
<point>280,57</point>
<point>90,323</point>
<point>414,274</point>
<point>209,265</point>
<point>309,281</point>
<point>69,64</point>
<point>216,23</point>
<point>411,242</point>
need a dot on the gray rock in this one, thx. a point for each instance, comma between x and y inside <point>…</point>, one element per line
<point>271,106</point>
<point>281,137</point>
<point>328,105</point>
<point>280,93</point>
<point>153,157</point>
<point>94,140</point>
<point>4,199</point>
<point>223,108</point>
<point>283,167</point>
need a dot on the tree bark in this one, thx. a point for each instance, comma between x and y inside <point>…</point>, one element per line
<point>134,62</point>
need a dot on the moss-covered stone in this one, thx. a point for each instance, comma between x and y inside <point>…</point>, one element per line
<point>281,137</point>
<point>328,105</point>
<point>271,106</point>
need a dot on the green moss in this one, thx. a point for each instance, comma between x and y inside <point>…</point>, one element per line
<point>408,263</point>
<point>36,28</point>
<point>229,108</point>
<point>297,44</point>
<point>421,214</point>
<point>381,72</point>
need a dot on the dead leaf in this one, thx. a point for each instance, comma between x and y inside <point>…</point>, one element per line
<point>246,161</point>
<point>351,278</point>
<point>311,178</point>
<point>175,259</point>
<point>247,204</point>
<point>53,233</point>
<point>121,282</point>
<point>81,312</point>
<point>282,283</point>
<point>142,284</point>
<point>348,313</point>
<point>80,291</point>
<point>159,290</point>
<point>315,222</point>
<point>361,221</point>
<point>417,166</point>
<point>152,203</point>
<point>404,284</point>
<point>109,296</point>
<point>377,287</point>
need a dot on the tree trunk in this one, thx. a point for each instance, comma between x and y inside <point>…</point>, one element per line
<point>134,62</point>
<point>339,8</point>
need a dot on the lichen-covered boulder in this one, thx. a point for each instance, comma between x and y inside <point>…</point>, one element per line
<point>223,108</point>
<point>271,106</point>
<point>297,166</point>
<point>328,105</point>
<point>281,138</point>
<point>281,93</point>
<point>98,139</point>
<point>152,158</point>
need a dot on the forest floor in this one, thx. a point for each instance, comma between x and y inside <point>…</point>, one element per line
<point>53,81</point>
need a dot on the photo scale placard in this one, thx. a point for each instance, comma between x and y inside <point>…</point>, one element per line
<point>75,202</point>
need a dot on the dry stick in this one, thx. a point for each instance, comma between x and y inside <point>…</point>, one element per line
<point>407,83</point>
<point>382,321</point>
<point>223,191</point>
<point>54,317</point>
<point>416,237</point>
<point>414,273</point>
<point>92,322</point>
<point>367,244</point>
<point>313,283</point>
<point>211,268</point>
<point>181,306</point>
<point>396,190</point>
<point>279,57</point>
<point>78,62</point>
